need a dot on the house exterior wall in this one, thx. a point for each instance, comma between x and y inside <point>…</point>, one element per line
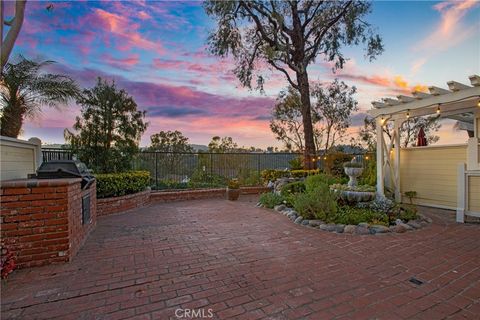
<point>18,158</point>
<point>432,173</point>
<point>473,204</point>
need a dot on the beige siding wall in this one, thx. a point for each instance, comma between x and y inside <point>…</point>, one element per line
<point>432,173</point>
<point>473,194</point>
<point>17,158</point>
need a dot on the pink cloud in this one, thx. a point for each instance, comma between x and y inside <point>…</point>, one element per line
<point>121,63</point>
<point>450,31</point>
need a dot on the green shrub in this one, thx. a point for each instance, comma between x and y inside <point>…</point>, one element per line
<point>290,191</point>
<point>407,212</point>
<point>233,184</point>
<point>313,182</point>
<point>352,215</point>
<point>200,177</point>
<point>273,174</point>
<point>296,163</point>
<point>320,203</point>
<point>303,173</point>
<point>292,188</point>
<point>119,184</point>
<point>369,174</point>
<point>249,177</point>
<point>270,200</point>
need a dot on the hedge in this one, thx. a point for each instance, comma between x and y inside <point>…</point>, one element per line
<point>120,184</point>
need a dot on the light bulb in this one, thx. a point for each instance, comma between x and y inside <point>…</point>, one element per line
<point>408,114</point>
<point>438,110</point>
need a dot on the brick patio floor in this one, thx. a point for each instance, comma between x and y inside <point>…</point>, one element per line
<point>248,263</point>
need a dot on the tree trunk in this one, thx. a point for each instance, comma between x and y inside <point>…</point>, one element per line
<point>9,41</point>
<point>11,121</point>
<point>309,152</point>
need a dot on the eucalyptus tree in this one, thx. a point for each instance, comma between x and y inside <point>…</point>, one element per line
<point>288,36</point>
<point>24,89</point>
<point>334,105</point>
<point>15,25</point>
<point>286,123</point>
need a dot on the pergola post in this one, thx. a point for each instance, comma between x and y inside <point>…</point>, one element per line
<point>380,160</point>
<point>396,161</point>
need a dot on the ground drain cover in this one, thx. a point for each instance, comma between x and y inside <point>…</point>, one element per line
<point>416,281</point>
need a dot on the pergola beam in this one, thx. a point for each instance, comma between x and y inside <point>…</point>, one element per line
<point>472,94</point>
<point>457,86</point>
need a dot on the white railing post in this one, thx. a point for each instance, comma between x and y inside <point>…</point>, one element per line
<point>461,183</point>
<point>37,150</point>
<point>380,159</point>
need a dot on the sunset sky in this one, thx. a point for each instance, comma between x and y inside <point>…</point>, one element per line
<point>157,52</point>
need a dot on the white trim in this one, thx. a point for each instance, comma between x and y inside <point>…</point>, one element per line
<point>439,206</point>
<point>456,145</point>
<point>461,195</point>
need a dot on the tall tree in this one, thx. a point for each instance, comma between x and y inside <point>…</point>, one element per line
<point>24,89</point>
<point>173,147</point>
<point>107,134</point>
<point>289,36</point>
<point>170,141</point>
<point>287,124</point>
<point>222,145</point>
<point>334,106</point>
<point>15,25</point>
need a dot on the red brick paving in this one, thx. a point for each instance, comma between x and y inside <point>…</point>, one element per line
<point>248,263</point>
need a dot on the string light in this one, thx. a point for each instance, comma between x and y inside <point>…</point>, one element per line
<point>478,103</point>
<point>408,114</point>
<point>324,158</point>
<point>366,157</point>
<point>438,109</point>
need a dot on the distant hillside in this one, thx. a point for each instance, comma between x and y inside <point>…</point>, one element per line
<point>199,147</point>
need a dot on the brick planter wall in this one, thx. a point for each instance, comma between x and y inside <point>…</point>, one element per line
<point>41,219</point>
<point>166,196</point>
<point>113,205</point>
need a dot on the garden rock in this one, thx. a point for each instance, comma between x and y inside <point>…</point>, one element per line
<point>377,228</point>
<point>363,224</point>
<point>350,228</point>
<point>281,182</point>
<point>361,230</point>
<point>328,227</point>
<point>315,223</point>
<point>399,228</point>
<point>298,220</point>
<point>280,207</point>
<point>414,224</point>
<point>339,228</point>
<point>305,222</point>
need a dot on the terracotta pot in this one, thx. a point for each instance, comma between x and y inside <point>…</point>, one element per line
<point>233,194</point>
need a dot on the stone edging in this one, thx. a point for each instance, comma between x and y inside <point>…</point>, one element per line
<point>361,229</point>
<point>112,205</point>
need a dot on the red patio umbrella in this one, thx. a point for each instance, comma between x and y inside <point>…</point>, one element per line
<point>421,140</point>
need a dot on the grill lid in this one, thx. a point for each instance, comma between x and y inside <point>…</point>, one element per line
<point>57,169</point>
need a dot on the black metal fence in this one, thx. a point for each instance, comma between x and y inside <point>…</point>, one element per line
<point>171,170</point>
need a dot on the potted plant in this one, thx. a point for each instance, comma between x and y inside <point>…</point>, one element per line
<point>353,171</point>
<point>233,190</point>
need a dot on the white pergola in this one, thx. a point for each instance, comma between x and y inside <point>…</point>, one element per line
<point>460,102</point>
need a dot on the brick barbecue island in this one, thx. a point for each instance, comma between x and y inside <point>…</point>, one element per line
<point>45,221</point>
